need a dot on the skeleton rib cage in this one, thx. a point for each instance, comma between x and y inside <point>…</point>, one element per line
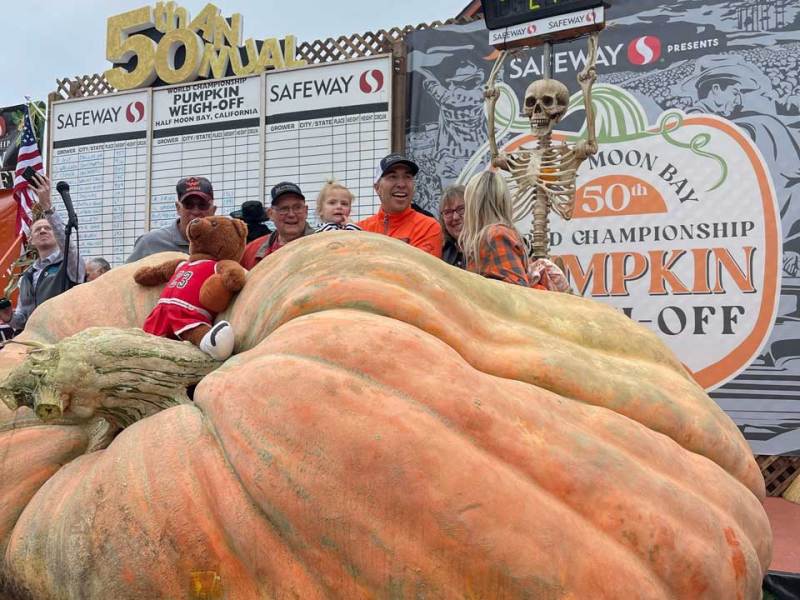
<point>551,170</point>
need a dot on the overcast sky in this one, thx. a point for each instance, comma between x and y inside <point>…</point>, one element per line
<point>50,39</point>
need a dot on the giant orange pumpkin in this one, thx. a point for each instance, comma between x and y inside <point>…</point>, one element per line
<point>390,428</point>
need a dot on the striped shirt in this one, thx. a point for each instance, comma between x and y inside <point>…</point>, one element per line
<point>336,227</point>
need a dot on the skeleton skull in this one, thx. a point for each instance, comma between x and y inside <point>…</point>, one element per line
<point>545,103</point>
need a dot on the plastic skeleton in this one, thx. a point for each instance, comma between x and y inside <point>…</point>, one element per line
<point>545,175</point>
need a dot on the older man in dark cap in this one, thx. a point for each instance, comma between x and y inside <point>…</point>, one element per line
<point>195,200</point>
<point>288,211</point>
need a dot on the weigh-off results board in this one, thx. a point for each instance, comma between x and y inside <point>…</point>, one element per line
<point>209,130</point>
<point>99,147</point>
<point>123,153</point>
<point>329,122</point>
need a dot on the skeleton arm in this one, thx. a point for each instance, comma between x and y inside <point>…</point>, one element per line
<point>586,79</point>
<point>499,160</point>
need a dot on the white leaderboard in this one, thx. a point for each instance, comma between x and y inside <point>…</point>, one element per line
<point>123,154</point>
<point>100,148</point>
<point>208,129</point>
<point>328,122</point>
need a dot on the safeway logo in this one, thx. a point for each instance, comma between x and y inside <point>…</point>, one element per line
<point>644,50</point>
<point>134,112</point>
<point>371,82</point>
<point>532,28</point>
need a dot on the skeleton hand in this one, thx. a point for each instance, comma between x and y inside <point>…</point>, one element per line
<point>587,77</point>
<point>585,148</point>
<point>501,161</point>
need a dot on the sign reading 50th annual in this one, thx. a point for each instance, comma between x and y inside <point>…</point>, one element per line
<point>164,44</point>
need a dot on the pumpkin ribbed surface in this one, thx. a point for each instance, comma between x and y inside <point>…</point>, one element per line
<point>395,428</point>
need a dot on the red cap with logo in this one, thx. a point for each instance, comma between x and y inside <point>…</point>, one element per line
<point>195,186</point>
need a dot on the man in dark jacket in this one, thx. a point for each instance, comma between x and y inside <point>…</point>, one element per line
<point>44,279</point>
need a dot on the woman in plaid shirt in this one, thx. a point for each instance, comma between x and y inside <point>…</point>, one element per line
<point>491,245</point>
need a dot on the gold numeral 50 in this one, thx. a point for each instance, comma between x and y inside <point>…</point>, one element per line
<point>123,42</point>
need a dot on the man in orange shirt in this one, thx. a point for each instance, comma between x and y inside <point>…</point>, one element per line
<point>394,184</point>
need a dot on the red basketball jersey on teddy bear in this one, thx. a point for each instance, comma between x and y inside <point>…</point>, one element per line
<point>179,308</point>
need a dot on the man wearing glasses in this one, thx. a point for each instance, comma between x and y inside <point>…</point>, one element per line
<point>195,200</point>
<point>288,212</point>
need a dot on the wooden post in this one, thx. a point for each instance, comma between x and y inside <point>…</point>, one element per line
<point>399,87</point>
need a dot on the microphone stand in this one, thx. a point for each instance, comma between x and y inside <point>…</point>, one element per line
<point>71,224</point>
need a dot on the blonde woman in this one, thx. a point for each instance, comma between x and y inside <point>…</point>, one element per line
<point>490,243</point>
<point>334,204</point>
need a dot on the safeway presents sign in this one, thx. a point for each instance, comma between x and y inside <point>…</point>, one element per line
<point>675,224</point>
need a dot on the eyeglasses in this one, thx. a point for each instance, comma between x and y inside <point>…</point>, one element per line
<point>450,212</point>
<point>192,204</point>
<point>285,210</point>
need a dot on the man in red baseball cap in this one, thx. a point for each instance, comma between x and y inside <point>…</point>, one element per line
<point>195,200</point>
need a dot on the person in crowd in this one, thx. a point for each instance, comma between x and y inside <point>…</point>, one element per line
<point>334,204</point>
<point>6,312</point>
<point>394,185</point>
<point>254,214</point>
<point>451,215</point>
<point>288,211</point>
<point>195,200</point>
<point>490,243</point>
<point>45,278</point>
<point>95,267</point>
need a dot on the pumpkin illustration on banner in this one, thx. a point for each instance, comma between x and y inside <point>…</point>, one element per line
<point>391,427</point>
<point>675,224</point>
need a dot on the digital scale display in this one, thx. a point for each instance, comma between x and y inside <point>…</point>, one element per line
<point>507,13</point>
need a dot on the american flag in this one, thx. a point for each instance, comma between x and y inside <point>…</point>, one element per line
<point>28,156</point>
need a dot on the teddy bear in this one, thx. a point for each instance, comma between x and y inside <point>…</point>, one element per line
<point>200,287</point>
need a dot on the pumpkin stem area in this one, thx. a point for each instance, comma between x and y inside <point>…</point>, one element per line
<point>48,404</point>
<point>119,376</point>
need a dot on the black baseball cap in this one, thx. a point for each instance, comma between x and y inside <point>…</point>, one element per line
<point>195,186</point>
<point>392,160</point>
<point>283,188</point>
<point>5,303</point>
<point>253,211</point>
